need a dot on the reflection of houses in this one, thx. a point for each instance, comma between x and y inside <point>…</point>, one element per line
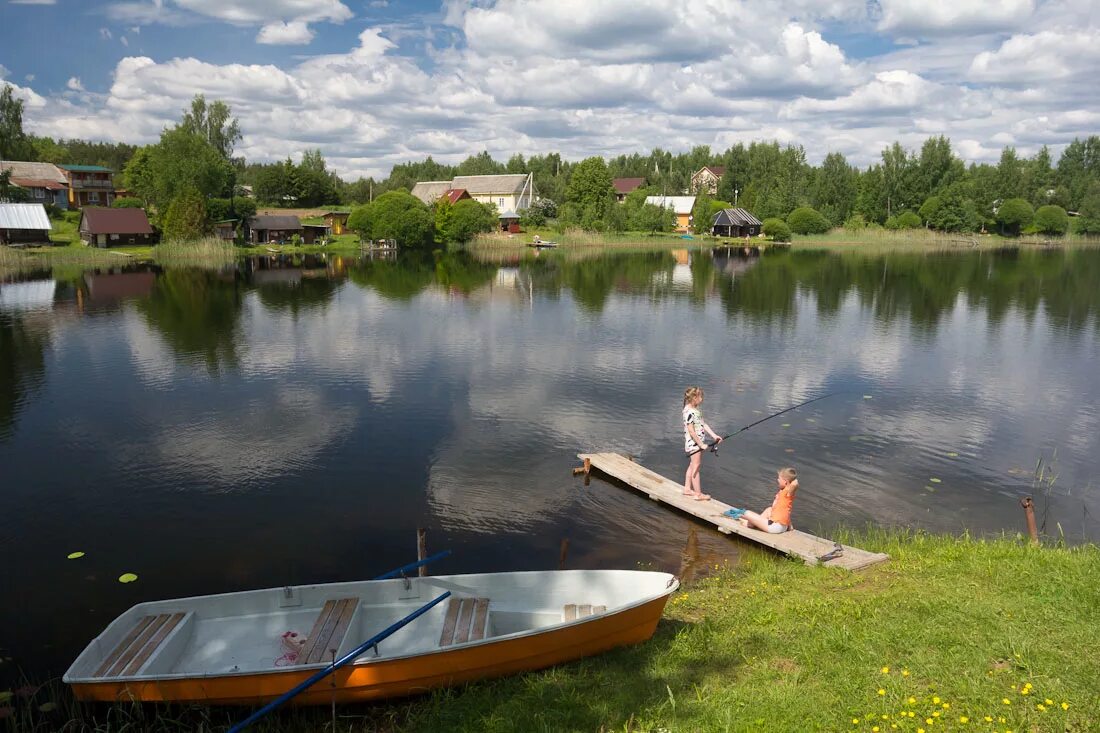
<point>706,179</point>
<point>44,183</point>
<point>735,223</point>
<point>680,205</point>
<point>508,192</point>
<point>29,295</point>
<point>24,223</point>
<point>112,287</point>
<point>336,221</point>
<point>626,186</point>
<point>274,228</point>
<point>113,227</point>
<point>89,185</point>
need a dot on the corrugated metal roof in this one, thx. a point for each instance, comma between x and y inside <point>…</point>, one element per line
<point>735,217</point>
<point>679,204</point>
<point>277,222</point>
<point>507,184</point>
<point>99,220</point>
<point>34,171</point>
<point>87,168</point>
<point>430,191</point>
<point>626,185</point>
<point>38,183</point>
<point>24,216</point>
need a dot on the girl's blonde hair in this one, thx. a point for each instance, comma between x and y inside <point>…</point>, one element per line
<point>691,393</point>
<point>789,475</point>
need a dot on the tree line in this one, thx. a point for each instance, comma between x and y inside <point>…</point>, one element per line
<point>193,161</point>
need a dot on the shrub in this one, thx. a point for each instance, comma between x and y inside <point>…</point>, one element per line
<point>128,202</point>
<point>777,230</point>
<point>908,220</point>
<point>468,218</point>
<point>930,208</point>
<point>805,220</point>
<point>186,216</point>
<point>891,223</point>
<point>855,222</point>
<point>1014,215</point>
<point>1051,219</point>
<point>1088,221</point>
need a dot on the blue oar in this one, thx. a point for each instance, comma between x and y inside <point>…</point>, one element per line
<point>346,659</point>
<point>413,565</point>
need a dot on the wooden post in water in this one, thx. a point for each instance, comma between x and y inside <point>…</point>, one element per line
<point>1029,512</point>
<point>421,549</point>
<point>563,553</point>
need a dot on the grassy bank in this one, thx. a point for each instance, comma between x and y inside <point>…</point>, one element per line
<point>952,634</point>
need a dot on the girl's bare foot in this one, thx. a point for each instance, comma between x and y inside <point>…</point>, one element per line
<point>702,497</point>
<point>743,522</point>
<point>688,493</point>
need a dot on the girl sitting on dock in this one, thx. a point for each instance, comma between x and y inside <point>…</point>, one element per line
<point>776,519</point>
<point>695,441</point>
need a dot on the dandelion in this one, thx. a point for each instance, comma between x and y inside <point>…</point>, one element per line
<point>886,670</point>
<point>881,691</point>
<point>1001,719</point>
<point>905,673</point>
<point>1025,691</point>
<point>936,714</point>
<point>912,700</point>
<point>1065,705</point>
<point>1041,708</point>
<point>855,721</point>
<point>1048,702</point>
<point>964,719</point>
<point>920,730</point>
<point>946,705</point>
<point>875,729</point>
<point>929,721</point>
<point>912,714</point>
<point>885,717</point>
<point>1006,701</point>
<point>935,701</point>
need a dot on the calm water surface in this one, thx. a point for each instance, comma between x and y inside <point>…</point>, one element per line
<point>294,421</point>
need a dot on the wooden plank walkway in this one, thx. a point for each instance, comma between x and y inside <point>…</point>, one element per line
<point>657,487</point>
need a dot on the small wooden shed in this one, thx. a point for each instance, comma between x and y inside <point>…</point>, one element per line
<point>24,223</point>
<point>264,228</point>
<point>103,227</point>
<point>337,221</point>
<point>735,223</point>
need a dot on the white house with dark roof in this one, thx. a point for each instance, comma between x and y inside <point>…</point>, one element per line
<point>507,192</point>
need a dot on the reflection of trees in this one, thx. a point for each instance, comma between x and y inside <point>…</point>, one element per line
<point>591,281</point>
<point>401,278</point>
<point>197,312</point>
<point>298,295</point>
<point>22,367</point>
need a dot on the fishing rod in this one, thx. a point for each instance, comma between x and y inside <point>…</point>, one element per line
<point>714,448</point>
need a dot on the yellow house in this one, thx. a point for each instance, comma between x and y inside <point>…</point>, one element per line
<point>681,205</point>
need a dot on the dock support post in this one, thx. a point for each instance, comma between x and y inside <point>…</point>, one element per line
<point>563,553</point>
<point>1029,513</point>
<point>421,549</point>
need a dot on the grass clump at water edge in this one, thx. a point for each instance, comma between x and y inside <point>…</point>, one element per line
<point>952,634</point>
<point>206,251</point>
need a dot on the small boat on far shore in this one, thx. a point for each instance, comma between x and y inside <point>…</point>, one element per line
<point>541,243</point>
<point>251,647</point>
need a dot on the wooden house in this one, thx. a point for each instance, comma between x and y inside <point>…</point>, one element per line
<point>226,229</point>
<point>509,222</point>
<point>89,185</point>
<point>279,228</point>
<point>735,223</point>
<point>314,232</point>
<point>24,224</point>
<point>102,227</point>
<point>44,183</point>
<point>707,178</point>
<point>507,192</point>
<point>337,221</point>
<point>454,195</point>
<point>681,205</point>
<point>626,186</point>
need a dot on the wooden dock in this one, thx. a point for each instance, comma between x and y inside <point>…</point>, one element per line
<point>657,487</point>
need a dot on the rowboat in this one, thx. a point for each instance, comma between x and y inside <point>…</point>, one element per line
<point>541,243</point>
<point>250,647</point>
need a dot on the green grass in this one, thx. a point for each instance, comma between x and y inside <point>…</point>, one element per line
<point>771,644</point>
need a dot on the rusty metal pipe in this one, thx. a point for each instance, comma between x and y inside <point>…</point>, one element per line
<point>1029,512</point>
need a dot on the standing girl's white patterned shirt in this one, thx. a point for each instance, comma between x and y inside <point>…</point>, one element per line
<point>693,416</point>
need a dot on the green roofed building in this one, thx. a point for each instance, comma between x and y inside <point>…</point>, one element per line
<point>89,185</point>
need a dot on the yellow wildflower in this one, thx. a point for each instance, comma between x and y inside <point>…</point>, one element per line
<point>905,673</point>
<point>912,700</point>
<point>920,730</point>
<point>946,705</point>
<point>929,721</point>
<point>1048,701</point>
<point>855,721</point>
<point>1065,705</point>
<point>1025,691</point>
<point>935,701</point>
<point>881,691</point>
<point>988,719</point>
<point>1041,708</point>
<point>875,729</point>
<point>885,716</point>
<point>912,714</point>
<point>1006,701</point>
<point>964,719</point>
<point>886,670</point>
<point>936,714</point>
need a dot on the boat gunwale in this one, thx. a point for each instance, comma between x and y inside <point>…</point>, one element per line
<point>672,586</point>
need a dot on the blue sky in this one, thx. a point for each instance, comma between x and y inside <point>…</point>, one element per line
<point>373,83</point>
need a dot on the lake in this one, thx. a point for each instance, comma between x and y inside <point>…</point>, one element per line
<point>295,420</point>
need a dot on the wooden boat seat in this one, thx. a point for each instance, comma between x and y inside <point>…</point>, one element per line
<point>328,631</point>
<point>137,646</point>
<point>574,611</point>
<point>466,620</point>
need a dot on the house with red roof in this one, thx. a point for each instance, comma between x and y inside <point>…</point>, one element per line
<point>706,179</point>
<point>102,227</point>
<point>625,186</point>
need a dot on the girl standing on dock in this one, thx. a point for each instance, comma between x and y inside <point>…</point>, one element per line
<point>695,441</point>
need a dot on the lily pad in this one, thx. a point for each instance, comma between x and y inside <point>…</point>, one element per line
<point>866,396</point>
<point>127,578</point>
<point>75,555</point>
<point>952,454</point>
<point>788,450</point>
<point>935,480</point>
<point>785,425</point>
<point>47,707</point>
<point>5,695</point>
